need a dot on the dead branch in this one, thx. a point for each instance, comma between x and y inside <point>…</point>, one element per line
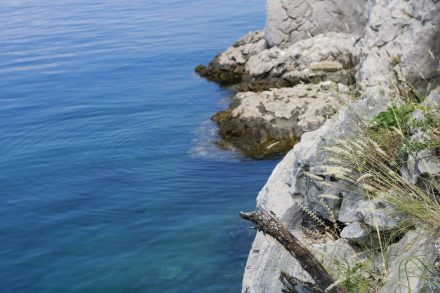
<point>268,224</point>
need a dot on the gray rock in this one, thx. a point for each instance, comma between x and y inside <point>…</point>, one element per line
<point>379,215</point>
<point>332,48</point>
<point>406,31</point>
<point>330,56</point>
<point>433,98</point>
<point>262,269</point>
<point>289,21</point>
<point>268,61</point>
<point>228,66</point>
<point>356,232</point>
<point>418,115</point>
<point>325,207</point>
<point>409,171</point>
<point>330,252</point>
<point>428,163</point>
<point>409,260</point>
<point>424,162</point>
<point>266,259</point>
<point>348,211</point>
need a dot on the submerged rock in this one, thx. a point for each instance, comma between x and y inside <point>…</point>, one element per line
<point>268,123</point>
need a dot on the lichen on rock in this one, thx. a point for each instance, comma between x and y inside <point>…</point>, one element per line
<point>268,123</point>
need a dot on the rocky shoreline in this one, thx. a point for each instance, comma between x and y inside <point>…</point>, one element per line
<point>309,80</point>
<point>318,71</point>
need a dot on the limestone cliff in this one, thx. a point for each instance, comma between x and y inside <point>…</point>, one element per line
<point>365,46</point>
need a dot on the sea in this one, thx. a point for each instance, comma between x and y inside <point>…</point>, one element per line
<point>109,177</point>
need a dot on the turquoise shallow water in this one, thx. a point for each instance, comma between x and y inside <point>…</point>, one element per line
<point>108,182</point>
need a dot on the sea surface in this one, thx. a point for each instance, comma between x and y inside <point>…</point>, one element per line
<point>109,181</point>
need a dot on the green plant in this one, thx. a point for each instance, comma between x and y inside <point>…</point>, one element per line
<point>360,278</point>
<point>395,117</point>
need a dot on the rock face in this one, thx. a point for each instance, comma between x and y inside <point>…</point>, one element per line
<point>267,123</point>
<point>406,267</point>
<point>404,33</point>
<point>289,21</point>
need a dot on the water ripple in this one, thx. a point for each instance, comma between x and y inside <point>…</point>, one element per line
<point>109,180</point>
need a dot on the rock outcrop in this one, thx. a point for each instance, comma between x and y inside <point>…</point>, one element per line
<point>390,42</point>
<point>228,67</point>
<point>306,80</point>
<point>267,123</point>
<point>372,45</point>
<point>329,56</point>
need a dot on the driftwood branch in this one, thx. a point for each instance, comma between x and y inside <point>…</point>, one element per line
<point>268,224</point>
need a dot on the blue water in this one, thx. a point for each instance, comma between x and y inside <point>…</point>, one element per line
<point>108,180</point>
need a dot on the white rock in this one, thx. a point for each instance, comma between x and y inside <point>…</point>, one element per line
<point>266,61</point>
<point>428,163</point>
<point>299,109</point>
<point>328,53</point>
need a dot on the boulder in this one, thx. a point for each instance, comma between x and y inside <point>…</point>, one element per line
<point>379,215</point>
<point>357,232</point>
<point>267,123</point>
